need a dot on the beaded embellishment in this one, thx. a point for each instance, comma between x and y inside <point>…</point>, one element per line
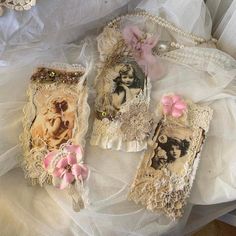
<point>166,173</point>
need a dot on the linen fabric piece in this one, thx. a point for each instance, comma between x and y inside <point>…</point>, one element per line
<point>55,123</point>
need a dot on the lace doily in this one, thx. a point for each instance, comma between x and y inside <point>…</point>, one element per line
<point>165,175</point>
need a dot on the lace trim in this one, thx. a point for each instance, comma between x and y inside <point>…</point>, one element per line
<point>18,5</point>
<point>128,132</point>
<point>163,180</point>
<point>32,163</point>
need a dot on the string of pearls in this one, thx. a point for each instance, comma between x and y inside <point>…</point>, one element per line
<point>165,24</point>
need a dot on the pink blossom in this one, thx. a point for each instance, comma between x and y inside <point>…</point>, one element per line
<point>173,105</point>
<point>66,168</point>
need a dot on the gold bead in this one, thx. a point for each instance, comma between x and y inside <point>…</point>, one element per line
<point>52,74</point>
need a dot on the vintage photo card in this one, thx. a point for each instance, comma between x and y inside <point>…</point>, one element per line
<point>56,114</point>
<point>122,117</point>
<point>164,178</point>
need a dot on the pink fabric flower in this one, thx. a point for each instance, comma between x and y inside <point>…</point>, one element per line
<point>66,169</point>
<point>173,105</point>
<point>141,46</point>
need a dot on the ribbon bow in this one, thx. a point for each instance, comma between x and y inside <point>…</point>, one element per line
<point>173,105</point>
<point>141,46</point>
<point>66,166</point>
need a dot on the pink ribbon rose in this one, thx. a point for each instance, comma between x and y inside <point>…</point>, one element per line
<point>65,166</point>
<point>173,105</point>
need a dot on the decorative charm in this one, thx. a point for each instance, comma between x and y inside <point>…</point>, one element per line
<point>165,176</point>
<point>123,120</point>
<point>55,123</point>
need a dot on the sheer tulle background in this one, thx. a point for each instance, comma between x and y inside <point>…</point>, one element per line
<point>31,38</point>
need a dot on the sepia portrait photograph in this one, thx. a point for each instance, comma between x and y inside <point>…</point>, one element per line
<point>128,84</point>
<point>55,118</point>
<point>172,144</point>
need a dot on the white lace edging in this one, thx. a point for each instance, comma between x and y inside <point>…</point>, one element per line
<point>108,136</point>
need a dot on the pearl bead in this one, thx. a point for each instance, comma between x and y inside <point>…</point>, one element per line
<point>163,46</point>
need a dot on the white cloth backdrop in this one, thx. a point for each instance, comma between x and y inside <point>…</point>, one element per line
<point>47,211</point>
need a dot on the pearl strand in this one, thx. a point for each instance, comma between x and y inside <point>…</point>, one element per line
<point>165,24</point>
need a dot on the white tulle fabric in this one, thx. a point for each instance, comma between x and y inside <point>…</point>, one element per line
<point>54,21</point>
<point>223,13</point>
<point>199,20</point>
<point>208,78</point>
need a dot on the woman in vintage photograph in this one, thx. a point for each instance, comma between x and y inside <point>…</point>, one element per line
<point>169,151</point>
<point>128,84</point>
